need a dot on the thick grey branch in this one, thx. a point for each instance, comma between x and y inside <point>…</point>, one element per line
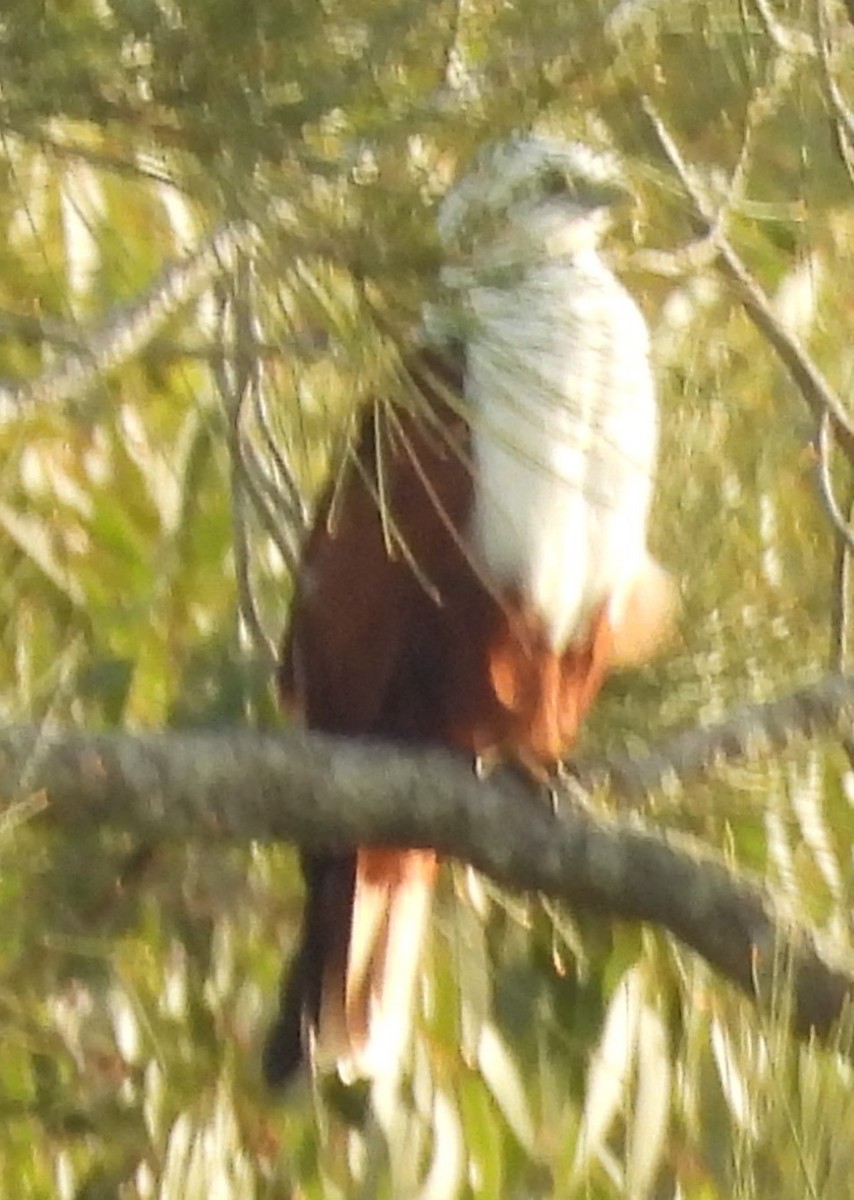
<point>826,707</point>
<point>316,790</point>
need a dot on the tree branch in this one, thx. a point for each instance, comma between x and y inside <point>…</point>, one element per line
<point>804,372</point>
<point>66,336</point>
<point>823,708</point>
<point>317,790</point>
<point>125,332</point>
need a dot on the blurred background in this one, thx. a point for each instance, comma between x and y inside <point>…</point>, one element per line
<point>218,232</point>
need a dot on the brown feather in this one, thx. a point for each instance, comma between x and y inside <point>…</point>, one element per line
<point>393,634</point>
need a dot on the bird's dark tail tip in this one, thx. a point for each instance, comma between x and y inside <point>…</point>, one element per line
<point>324,941</point>
<point>283,1054</point>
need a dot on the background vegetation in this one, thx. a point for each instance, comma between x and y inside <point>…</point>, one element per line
<point>218,225</point>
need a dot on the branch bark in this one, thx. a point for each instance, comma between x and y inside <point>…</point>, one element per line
<point>757,730</point>
<point>317,790</point>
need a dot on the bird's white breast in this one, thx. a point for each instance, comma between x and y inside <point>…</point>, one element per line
<point>564,438</point>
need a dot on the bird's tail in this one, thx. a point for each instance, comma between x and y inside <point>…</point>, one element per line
<point>347,1000</point>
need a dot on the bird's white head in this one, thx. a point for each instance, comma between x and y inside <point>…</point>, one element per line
<point>529,199</point>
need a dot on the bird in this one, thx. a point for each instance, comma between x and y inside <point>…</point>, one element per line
<point>478,565</point>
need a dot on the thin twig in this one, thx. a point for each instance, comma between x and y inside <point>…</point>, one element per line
<point>290,497</point>
<point>66,336</point>
<point>824,473</point>
<point>842,113</point>
<point>844,544</point>
<point>128,329</point>
<point>99,159</point>
<point>232,394</point>
<point>841,108</point>
<point>811,383</point>
<point>266,498</point>
<point>243,575</point>
<point>787,41</point>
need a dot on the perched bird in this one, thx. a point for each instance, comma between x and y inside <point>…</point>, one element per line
<point>479,565</point>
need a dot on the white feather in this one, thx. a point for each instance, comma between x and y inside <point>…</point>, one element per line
<point>564,439</point>
<point>563,405</point>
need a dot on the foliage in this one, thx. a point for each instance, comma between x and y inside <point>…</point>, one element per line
<point>149,518</point>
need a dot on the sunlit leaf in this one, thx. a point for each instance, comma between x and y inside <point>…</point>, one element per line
<point>735,1086</point>
<point>447,1165</point>
<point>32,538</point>
<point>505,1083</point>
<point>650,1110</point>
<point>611,1069</point>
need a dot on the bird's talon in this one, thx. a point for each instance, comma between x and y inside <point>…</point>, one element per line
<point>486,762</point>
<point>569,787</point>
